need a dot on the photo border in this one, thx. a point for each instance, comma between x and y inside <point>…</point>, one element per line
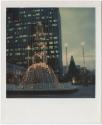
<point>51,110</point>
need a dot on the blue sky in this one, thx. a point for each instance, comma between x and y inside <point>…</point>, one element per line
<point>78,25</point>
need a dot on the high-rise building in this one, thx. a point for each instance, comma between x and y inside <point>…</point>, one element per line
<point>21,35</point>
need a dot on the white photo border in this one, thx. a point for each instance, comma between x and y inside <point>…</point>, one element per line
<point>51,110</point>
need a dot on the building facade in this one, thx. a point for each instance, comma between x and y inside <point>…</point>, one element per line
<point>21,33</point>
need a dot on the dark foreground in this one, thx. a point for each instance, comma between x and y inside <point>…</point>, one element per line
<point>81,92</point>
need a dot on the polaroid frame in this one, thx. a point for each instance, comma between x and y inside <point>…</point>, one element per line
<point>64,110</point>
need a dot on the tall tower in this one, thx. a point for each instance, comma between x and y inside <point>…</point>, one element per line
<point>25,26</point>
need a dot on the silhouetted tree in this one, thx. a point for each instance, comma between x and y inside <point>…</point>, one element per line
<point>72,71</point>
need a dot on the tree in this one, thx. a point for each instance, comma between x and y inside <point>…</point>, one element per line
<point>72,71</point>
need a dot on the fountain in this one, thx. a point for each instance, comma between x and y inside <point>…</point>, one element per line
<point>39,79</point>
<point>39,74</point>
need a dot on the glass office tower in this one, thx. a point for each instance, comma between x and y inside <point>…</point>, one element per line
<point>21,32</point>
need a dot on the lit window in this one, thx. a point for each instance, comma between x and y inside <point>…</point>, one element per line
<point>19,28</point>
<point>43,17</point>
<point>57,55</point>
<point>50,42</point>
<point>29,22</point>
<point>24,40</point>
<point>50,33</point>
<point>17,54</point>
<point>11,29</point>
<point>24,27</point>
<point>8,17</point>
<point>17,24</point>
<point>50,17</point>
<point>34,34</point>
<point>52,52</point>
<point>37,14</point>
<point>29,14</point>
<point>53,56</point>
<point>51,47</point>
<point>23,36</point>
<point>54,24</point>
<point>9,37</point>
<point>56,51</point>
<point>54,20</point>
<point>37,10</point>
<point>55,37</point>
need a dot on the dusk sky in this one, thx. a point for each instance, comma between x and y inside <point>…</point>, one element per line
<point>78,25</point>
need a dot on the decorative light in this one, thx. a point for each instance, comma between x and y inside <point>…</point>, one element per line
<point>82,43</point>
<point>66,45</point>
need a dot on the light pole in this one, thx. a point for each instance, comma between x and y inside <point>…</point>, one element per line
<point>83,44</point>
<point>28,48</point>
<point>66,50</point>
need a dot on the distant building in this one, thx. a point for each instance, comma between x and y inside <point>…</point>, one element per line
<point>21,27</point>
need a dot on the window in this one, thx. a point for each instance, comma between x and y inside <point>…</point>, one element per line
<point>23,36</point>
<point>51,38</point>
<point>43,17</point>
<point>51,47</point>
<point>19,28</point>
<point>37,14</point>
<point>55,37</point>
<point>29,22</point>
<point>56,51</point>
<point>8,17</point>
<point>11,54</point>
<point>7,50</point>
<point>55,42</point>
<point>29,15</point>
<point>9,37</point>
<point>24,40</point>
<point>52,52</point>
<point>57,55</point>
<point>17,54</point>
<point>51,42</point>
<point>54,24</point>
<point>17,24</point>
<point>50,21</point>
<point>22,12</point>
<point>54,20</point>
<point>50,34</point>
<point>25,15</point>
<point>11,29</point>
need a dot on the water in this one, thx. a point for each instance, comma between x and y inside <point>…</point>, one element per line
<point>41,76</point>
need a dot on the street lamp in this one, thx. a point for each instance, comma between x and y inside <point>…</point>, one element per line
<point>66,49</point>
<point>28,48</point>
<point>83,44</point>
